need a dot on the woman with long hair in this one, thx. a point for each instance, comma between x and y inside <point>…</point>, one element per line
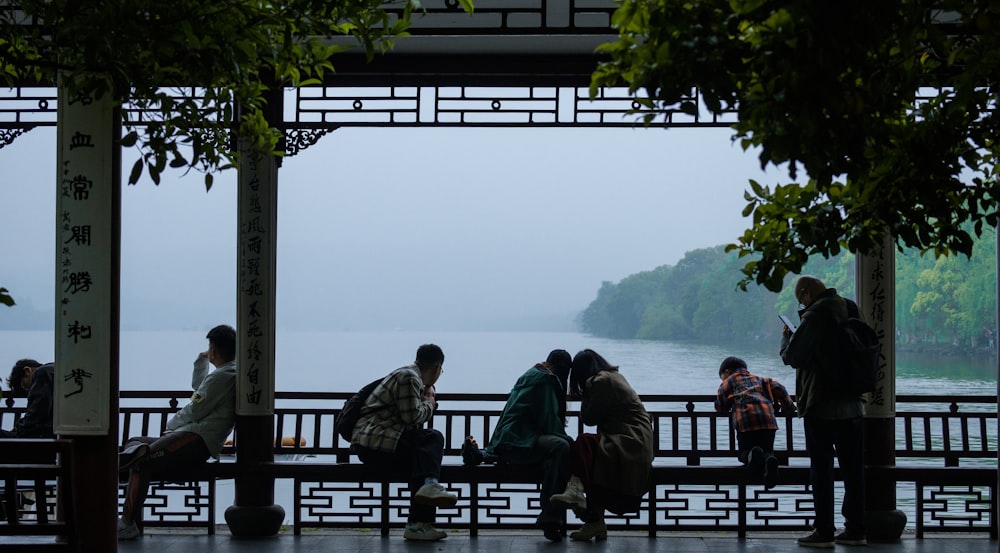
<point>610,470</point>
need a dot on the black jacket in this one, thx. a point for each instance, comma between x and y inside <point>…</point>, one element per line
<point>813,349</point>
<point>37,419</point>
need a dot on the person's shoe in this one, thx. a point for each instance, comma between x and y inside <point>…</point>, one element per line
<point>553,531</point>
<point>755,462</point>
<point>816,540</point>
<point>127,531</point>
<point>472,456</point>
<point>596,530</point>
<point>423,531</point>
<point>573,497</point>
<point>132,455</point>
<point>850,538</point>
<point>435,495</point>
<point>770,472</point>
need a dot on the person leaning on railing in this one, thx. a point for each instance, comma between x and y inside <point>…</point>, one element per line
<point>532,431</point>
<point>34,379</point>
<point>611,470</point>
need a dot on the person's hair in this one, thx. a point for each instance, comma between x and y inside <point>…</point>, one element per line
<point>223,339</point>
<point>429,355</point>
<point>560,363</point>
<point>17,374</point>
<point>731,364</point>
<point>809,283</point>
<point>586,364</point>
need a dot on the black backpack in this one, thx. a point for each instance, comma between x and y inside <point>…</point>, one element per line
<point>862,352</point>
<point>350,413</point>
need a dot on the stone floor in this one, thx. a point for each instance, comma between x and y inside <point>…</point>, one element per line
<point>528,542</point>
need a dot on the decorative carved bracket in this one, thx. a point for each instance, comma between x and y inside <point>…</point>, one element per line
<point>7,136</point>
<point>297,140</point>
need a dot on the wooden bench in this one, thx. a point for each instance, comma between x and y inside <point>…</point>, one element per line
<point>45,465</point>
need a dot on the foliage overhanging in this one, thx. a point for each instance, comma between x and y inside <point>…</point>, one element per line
<point>888,109</point>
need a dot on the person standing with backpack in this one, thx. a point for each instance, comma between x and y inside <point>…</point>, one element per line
<point>833,419</point>
<point>390,435</point>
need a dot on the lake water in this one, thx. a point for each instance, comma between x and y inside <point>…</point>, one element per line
<point>484,362</point>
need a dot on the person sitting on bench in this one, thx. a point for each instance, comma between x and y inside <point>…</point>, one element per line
<point>193,434</point>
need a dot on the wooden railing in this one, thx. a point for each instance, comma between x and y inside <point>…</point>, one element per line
<point>946,451</point>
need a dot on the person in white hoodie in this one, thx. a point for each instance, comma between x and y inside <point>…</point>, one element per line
<point>193,434</point>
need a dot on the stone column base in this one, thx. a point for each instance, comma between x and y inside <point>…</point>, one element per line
<point>884,526</point>
<point>254,521</point>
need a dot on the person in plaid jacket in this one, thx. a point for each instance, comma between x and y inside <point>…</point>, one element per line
<point>752,403</point>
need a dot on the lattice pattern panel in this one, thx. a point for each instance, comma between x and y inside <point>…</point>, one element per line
<point>718,507</point>
<point>505,16</point>
<point>317,107</point>
<point>27,501</point>
<point>176,504</point>
<point>955,508</point>
<point>359,505</point>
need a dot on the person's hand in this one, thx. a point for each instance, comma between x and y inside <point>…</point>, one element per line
<point>785,331</point>
<point>429,393</point>
<point>202,356</point>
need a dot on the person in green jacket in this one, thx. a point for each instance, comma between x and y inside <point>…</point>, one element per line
<point>532,430</point>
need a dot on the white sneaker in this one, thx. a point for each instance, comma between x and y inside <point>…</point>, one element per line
<point>435,495</point>
<point>423,531</point>
<point>127,531</point>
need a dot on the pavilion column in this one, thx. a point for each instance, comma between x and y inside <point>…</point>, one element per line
<point>88,249</point>
<point>876,284</point>
<point>254,513</point>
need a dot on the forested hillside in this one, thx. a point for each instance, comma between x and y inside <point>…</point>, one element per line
<point>944,304</point>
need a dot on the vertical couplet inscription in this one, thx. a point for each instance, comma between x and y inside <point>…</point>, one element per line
<point>84,260</point>
<point>256,284</point>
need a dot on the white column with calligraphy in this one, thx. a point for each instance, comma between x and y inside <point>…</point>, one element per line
<point>257,199</point>
<point>86,270</point>
<point>876,284</point>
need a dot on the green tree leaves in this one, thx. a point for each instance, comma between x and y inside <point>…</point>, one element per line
<point>883,106</point>
<point>941,303</point>
<point>197,71</point>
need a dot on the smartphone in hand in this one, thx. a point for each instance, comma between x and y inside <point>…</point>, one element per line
<point>788,322</point>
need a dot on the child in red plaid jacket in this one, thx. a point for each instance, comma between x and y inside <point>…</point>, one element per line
<point>753,403</point>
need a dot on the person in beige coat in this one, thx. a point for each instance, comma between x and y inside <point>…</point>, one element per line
<point>610,469</point>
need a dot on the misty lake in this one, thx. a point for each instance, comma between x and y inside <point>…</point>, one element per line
<point>484,362</point>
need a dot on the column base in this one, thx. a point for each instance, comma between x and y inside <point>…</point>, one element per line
<point>254,521</point>
<point>884,526</point>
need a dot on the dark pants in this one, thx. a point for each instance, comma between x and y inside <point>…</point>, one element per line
<point>167,454</point>
<point>599,498</point>
<point>763,439</point>
<point>845,439</point>
<point>552,452</point>
<point>418,456</point>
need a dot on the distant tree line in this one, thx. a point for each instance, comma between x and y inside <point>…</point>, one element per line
<point>943,304</point>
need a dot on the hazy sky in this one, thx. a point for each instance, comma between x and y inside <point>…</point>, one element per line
<point>439,229</point>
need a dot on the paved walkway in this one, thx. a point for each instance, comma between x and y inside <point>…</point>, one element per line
<point>528,542</point>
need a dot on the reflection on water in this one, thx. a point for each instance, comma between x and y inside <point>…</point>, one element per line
<point>980,368</point>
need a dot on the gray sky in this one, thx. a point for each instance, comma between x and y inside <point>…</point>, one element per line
<point>439,229</point>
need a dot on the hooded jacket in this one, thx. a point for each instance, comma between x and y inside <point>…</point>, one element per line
<point>532,410</point>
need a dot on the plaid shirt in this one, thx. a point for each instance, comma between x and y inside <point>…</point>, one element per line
<point>395,406</point>
<point>751,400</point>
